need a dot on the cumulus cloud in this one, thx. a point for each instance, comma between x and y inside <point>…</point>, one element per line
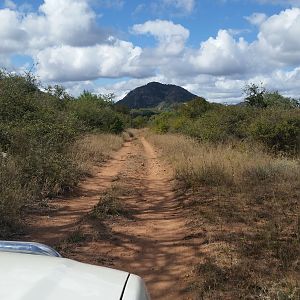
<point>171,37</point>
<point>222,55</point>
<point>279,37</point>
<point>67,63</point>
<point>68,22</point>
<point>13,37</point>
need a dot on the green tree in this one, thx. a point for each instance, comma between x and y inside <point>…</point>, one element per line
<point>195,108</point>
<point>274,99</point>
<point>255,95</point>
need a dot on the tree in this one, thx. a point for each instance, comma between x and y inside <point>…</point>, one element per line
<point>255,95</point>
<point>194,108</point>
<point>274,99</point>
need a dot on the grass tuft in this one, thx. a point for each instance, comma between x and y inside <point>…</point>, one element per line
<point>109,205</point>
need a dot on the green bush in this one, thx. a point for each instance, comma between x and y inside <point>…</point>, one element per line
<point>195,108</point>
<point>38,129</point>
<point>275,125</point>
<point>220,124</point>
<point>274,99</point>
<point>37,132</point>
<point>96,113</point>
<point>161,122</point>
<point>278,129</point>
<point>13,195</point>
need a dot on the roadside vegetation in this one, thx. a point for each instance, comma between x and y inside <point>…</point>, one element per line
<point>48,141</point>
<point>240,173</point>
<point>244,205</point>
<point>265,118</point>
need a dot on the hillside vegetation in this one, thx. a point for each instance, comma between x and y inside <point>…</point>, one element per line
<point>155,94</point>
<point>42,149</point>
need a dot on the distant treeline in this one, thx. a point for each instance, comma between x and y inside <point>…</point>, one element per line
<point>264,117</point>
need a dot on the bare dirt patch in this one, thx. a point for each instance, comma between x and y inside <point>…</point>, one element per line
<point>148,239</point>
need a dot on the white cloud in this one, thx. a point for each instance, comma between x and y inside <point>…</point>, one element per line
<point>281,2</point>
<point>171,37</point>
<point>222,55</point>
<point>5,61</point>
<point>68,63</point>
<point>10,4</point>
<point>256,18</point>
<point>13,37</point>
<point>67,22</point>
<point>184,6</point>
<point>70,22</point>
<point>279,37</point>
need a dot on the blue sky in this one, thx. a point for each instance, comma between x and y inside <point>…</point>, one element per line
<point>211,47</point>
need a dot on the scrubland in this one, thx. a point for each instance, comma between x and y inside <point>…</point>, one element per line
<point>243,204</point>
<point>48,142</point>
<point>50,179</point>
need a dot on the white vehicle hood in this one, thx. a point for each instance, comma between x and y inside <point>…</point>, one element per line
<point>34,277</point>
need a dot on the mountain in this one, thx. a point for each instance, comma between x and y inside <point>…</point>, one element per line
<point>156,94</point>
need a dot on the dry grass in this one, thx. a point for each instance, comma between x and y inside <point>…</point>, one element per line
<point>245,210</point>
<point>12,197</point>
<point>110,204</point>
<point>241,167</point>
<point>95,149</point>
<point>16,190</point>
<point>129,134</point>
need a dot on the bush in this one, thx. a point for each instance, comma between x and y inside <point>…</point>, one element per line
<point>278,129</point>
<point>220,124</point>
<point>13,195</point>
<point>96,113</point>
<point>161,123</point>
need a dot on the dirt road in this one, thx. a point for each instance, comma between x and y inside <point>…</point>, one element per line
<point>149,242</point>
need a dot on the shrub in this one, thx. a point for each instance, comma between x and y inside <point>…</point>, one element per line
<point>278,129</point>
<point>274,99</point>
<point>220,124</point>
<point>96,113</point>
<point>195,108</point>
<point>255,95</point>
<point>13,195</point>
<point>160,123</point>
<point>109,205</point>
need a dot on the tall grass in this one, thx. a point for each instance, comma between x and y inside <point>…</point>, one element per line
<point>245,203</point>
<point>238,166</point>
<point>12,196</point>
<point>28,179</point>
<point>93,149</point>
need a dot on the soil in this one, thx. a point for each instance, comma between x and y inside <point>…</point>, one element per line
<point>150,240</point>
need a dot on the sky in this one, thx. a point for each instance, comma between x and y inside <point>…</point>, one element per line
<point>213,48</point>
